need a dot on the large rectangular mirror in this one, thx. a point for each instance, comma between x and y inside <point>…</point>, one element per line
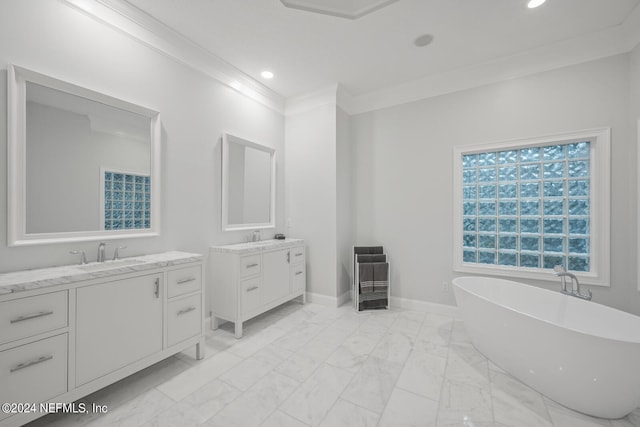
<point>248,184</point>
<point>82,165</point>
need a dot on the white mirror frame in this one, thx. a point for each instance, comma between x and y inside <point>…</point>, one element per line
<point>16,161</point>
<point>225,185</point>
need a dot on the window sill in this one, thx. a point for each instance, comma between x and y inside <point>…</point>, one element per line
<point>526,273</point>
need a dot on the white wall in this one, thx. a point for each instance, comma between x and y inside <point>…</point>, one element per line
<point>344,215</point>
<point>320,186</point>
<point>403,167</point>
<point>634,117</point>
<point>311,199</point>
<point>194,110</point>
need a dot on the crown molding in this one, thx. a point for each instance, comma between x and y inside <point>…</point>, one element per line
<point>133,22</point>
<point>345,9</point>
<point>140,26</point>
<point>335,95</point>
<point>594,46</point>
<point>310,101</point>
<point>631,27</point>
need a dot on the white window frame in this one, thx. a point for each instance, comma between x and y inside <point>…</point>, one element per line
<point>600,202</point>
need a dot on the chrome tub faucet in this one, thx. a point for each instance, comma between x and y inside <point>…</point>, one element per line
<point>559,271</point>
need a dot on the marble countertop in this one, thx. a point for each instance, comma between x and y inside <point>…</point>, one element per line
<point>43,277</point>
<point>263,245</point>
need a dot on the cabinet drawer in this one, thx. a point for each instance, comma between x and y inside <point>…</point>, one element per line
<point>298,277</point>
<point>184,280</point>
<point>250,265</point>
<point>34,372</point>
<point>251,299</point>
<point>184,318</point>
<point>297,254</point>
<point>30,316</point>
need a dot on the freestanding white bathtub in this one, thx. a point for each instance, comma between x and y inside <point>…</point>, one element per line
<point>583,355</point>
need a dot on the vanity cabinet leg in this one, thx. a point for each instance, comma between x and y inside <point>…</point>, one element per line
<point>200,349</point>
<point>238,329</point>
<point>304,298</point>
<point>215,322</point>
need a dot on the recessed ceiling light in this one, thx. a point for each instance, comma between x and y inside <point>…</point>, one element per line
<point>266,74</point>
<point>535,3</point>
<point>423,40</point>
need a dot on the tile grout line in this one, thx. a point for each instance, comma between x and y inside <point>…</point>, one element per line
<point>445,370</point>
<point>395,384</point>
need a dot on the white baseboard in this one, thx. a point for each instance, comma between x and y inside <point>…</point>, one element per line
<point>431,307</point>
<point>417,305</point>
<point>207,323</point>
<point>344,298</point>
<point>327,300</point>
<point>404,303</point>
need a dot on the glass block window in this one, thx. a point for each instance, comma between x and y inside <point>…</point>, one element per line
<point>528,207</point>
<point>127,201</point>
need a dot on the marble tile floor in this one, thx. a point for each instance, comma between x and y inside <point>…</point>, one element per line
<point>310,365</point>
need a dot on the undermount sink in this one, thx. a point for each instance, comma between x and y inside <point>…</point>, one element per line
<point>107,265</point>
<point>260,243</point>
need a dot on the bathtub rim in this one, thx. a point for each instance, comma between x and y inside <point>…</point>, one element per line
<point>544,290</point>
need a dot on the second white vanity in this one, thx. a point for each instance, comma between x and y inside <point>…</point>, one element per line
<point>248,279</point>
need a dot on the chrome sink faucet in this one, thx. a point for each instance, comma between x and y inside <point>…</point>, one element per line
<point>559,271</point>
<point>83,258</point>
<point>101,255</point>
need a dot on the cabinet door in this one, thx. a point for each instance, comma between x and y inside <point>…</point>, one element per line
<point>275,268</point>
<point>117,323</point>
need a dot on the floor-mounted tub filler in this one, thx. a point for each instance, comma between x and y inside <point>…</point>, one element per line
<point>579,353</point>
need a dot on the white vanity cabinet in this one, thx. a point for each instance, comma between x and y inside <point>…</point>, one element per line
<point>250,278</point>
<point>67,336</point>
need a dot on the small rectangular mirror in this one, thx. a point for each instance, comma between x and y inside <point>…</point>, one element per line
<point>82,165</point>
<point>248,184</point>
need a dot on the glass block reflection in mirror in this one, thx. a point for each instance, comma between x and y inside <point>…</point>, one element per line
<point>127,201</point>
<point>528,207</point>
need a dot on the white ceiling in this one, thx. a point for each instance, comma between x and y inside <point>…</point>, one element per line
<point>309,51</point>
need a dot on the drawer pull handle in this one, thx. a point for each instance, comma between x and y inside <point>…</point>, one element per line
<point>252,265</point>
<point>156,290</point>
<point>186,280</point>
<point>298,273</point>
<point>31,363</point>
<point>31,316</point>
<point>253,288</point>
<point>186,310</point>
<point>299,254</point>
